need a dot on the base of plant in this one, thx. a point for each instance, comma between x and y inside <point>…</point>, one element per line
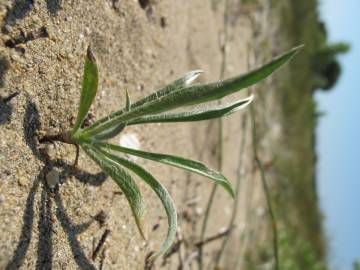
<point>64,138</point>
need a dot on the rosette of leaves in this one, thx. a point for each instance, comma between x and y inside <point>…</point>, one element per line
<point>155,109</point>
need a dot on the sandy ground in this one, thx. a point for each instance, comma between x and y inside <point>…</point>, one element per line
<point>139,47</point>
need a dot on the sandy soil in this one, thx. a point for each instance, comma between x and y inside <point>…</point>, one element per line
<point>42,47</point>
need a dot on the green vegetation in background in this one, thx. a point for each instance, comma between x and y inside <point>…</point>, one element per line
<point>288,252</point>
<point>295,192</point>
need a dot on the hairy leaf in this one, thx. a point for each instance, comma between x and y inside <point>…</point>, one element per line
<point>179,162</point>
<point>128,101</point>
<point>110,133</point>
<point>195,94</point>
<point>89,88</point>
<point>197,115</point>
<point>123,180</point>
<point>161,192</point>
<point>184,81</point>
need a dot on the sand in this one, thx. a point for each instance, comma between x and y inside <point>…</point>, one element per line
<point>139,47</point>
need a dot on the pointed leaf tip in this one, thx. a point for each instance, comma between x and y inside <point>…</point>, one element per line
<point>299,48</point>
<point>179,162</point>
<point>90,55</point>
<point>192,76</point>
<point>195,115</point>
<point>160,191</point>
<point>293,52</point>
<point>89,89</point>
<point>124,180</point>
<point>128,101</point>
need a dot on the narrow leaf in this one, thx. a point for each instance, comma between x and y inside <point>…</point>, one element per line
<point>184,81</point>
<point>203,93</point>
<point>89,88</point>
<point>179,162</point>
<point>110,133</point>
<point>196,94</point>
<point>123,180</point>
<point>198,115</point>
<point>161,192</point>
<point>128,101</point>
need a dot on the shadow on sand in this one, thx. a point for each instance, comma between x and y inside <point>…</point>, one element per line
<point>44,248</point>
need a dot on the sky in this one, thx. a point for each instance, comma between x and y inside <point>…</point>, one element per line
<point>338,137</point>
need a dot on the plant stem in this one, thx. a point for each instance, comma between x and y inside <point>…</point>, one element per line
<point>64,138</point>
<point>237,190</point>
<point>220,140</point>
<point>203,228</point>
<point>213,238</point>
<point>265,187</point>
<point>100,244</point>
<point>61,137</point>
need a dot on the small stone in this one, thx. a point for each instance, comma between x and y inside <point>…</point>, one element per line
<point>36,20</point>
<point>22,47</point>
<point>16,57</point>
<point>51,151</point>
<point>22,181</point>
<point>199,211</point>
<point>51,33</point>
<point>52,178</point>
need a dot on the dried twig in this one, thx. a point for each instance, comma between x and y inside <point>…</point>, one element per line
<point>213,238</point>
<point>100,244</point>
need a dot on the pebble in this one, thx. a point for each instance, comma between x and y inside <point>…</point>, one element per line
<point>199,211</point>
<point>52,178</point>
<point>51,151</point>
<point>22,181</point>
<point>51,32</point>
<point>36,20</point>
<point>16,57</point>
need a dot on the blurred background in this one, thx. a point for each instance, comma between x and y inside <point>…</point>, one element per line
<point>338,144</point>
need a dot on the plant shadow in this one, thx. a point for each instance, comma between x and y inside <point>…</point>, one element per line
<point>44,259</point>
<point>53,6</point>
<point>4,66</point>
<point>6,109</point>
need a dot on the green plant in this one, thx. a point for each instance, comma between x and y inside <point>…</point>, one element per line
<point>152,109</point>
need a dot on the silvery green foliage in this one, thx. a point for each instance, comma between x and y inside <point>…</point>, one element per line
<point>154,109</point>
